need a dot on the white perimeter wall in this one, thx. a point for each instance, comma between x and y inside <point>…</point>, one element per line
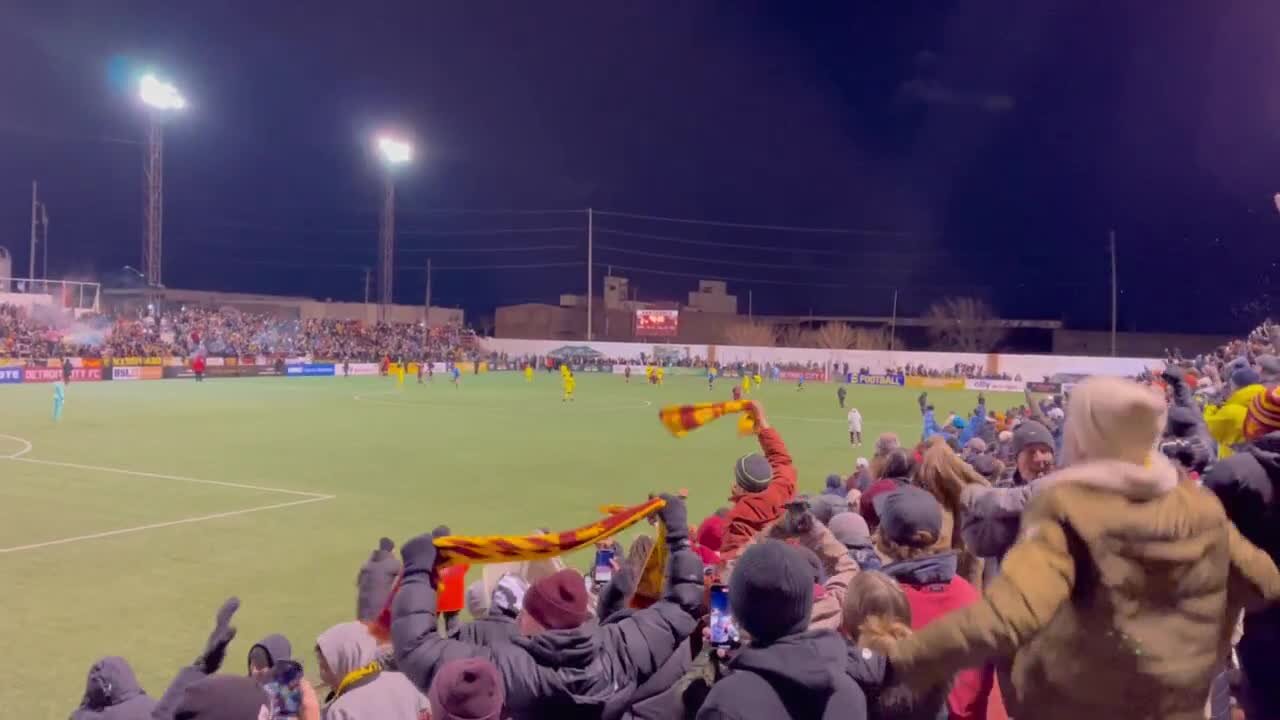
<point>1030,367</point>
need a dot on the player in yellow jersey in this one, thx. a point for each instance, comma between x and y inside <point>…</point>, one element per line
<point>568,382</point>
<point>648,374</point>
<point>660,373</point>
<point>746,384</point>
<point>528,372</point>
<point>755,378</point>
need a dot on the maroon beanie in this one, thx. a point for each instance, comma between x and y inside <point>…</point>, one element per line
<point>467,689</point>
<point>559,601</point>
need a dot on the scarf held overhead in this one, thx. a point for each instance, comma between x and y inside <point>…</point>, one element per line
<point>680,419</point>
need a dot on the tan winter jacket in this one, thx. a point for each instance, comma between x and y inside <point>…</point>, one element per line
<point>1118,599</point>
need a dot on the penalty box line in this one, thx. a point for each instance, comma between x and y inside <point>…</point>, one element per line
<point>305,498</point>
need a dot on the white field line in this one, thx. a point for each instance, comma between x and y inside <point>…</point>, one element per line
<point>26,447</point>
<point>307,497</point>
<point>170,523</point>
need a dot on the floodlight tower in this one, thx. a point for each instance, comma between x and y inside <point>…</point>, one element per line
<point>394,153</point>
<point>161,99</point>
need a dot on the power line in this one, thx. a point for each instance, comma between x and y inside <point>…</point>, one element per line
<point>704,276</point>
<point>530,266</point>
<point>718,261</point>
<point>535,248</point>
<point>754,226</point>
<point>372,230</point>
<point>490,211</point>
<point>709,243</point>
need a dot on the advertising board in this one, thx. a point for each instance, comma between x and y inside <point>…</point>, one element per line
<point>891,380</point>
<point>127,372</point>
<point>657,323</point>
<point>934,383</point>
<point>309,370</point>
<point>11,374</point>
<point>996,385</point>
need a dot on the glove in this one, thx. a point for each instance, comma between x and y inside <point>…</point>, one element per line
<point>675,516</point>
<point>419,554</point>
<point>1173,375</point>
<point>215,650</point>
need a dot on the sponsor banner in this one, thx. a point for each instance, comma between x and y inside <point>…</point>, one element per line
<point>130,361</point>
<point>91,363</point>
<point>11,374</point>
<point>151,372</point>
<point>216,371</point>
<point>122,361</point>
<point>894,380</point>
<point>310,370</point>
<point>12,361</point>
<point>176,362</point>
<point>806,374</point>
<point>214,362</point>
<point>248,360</point>
<point>933,383</point>
<point>48,375</point>
<point>1045,387</point>
<point>996,385</point>
<point>361,369</point>
<point>153,361</point>
<point>128,372</point>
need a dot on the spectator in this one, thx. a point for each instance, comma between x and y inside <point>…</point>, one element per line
<point>497,626</point>
<point>835,567</point>
<point>895,471</point>
<point>467,689</point>
<point>1116,528</point>
<point>1226,420</point>
<point>851,530</point>
<point>835,486</point>
<point>944,476</point>
<point>264,655</point>
<point>562,665</point>
<point>361,688</point>
<point>112,692</point>
<point>763,485</point>
<point>860,480</point>
<point>377,577</point>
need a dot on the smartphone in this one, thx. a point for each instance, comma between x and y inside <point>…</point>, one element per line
<point>285,689</point>
<point>604,565</point>
<point>723,632</point>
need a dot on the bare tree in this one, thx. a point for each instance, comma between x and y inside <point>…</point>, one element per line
<point>797,336</point>
<point>750,334</point>
<point>963,325</point>
<point>835,336</point>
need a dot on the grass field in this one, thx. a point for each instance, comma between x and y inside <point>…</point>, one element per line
<point>124,527</point>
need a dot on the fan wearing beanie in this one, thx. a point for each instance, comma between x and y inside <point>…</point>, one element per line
<point>762,487</point>
<point>1118,527</point>
<point>562,664</point>
<point>377,577</point>
<point>1248,484</point>
<point>786,670</point>
<point>467,689</point>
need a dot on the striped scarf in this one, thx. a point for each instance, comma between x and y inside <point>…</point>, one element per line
<point>483,549</point>
<point>680,419</point>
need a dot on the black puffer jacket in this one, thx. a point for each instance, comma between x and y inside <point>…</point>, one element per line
<point>801,677</point>
<point>489,631</point>
<point>112,693</point>
<point>1248,484</point>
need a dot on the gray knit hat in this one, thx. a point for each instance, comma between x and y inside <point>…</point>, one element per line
<point>1031,432</point>
<point>752,472</point>
<point>1269,369</point>
<point>851,530</point>
<point>771,591</point>
<point>826,506</point>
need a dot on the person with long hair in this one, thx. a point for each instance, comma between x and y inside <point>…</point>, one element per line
<point>944,475</point>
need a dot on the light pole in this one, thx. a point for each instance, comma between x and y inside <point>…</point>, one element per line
<point>394,152</point>
<point>161,99</point>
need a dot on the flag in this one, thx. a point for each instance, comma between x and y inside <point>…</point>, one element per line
<point>680,419</point>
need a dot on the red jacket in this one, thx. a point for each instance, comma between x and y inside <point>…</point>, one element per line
<point>933,590</point>
<point>197,365</point>
<point>753,512</point>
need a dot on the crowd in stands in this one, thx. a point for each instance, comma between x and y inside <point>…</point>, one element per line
<point>1123,565</point>
<point>224,332</point>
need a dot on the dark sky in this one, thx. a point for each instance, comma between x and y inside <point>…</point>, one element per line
<point>978,148</point>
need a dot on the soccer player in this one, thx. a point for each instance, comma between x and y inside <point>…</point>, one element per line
<point>66,370</point>
<point>800,382</point>
<point>840,395</point>
<point>528,372</point>
<point>746,384</point>
<point>457,375</point>
<point>568,382</point>
<point>855,427</point>
<point>737,392</point>
<point>711,377</point>
<point>755,378</point>
<point>420,369</point>
<point>648,374</point>
<point>660,373</point>
<point>626,374</point>
<point>59,397</point>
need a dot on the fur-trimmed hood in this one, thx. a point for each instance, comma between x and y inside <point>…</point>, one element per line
<point>1156,478</point>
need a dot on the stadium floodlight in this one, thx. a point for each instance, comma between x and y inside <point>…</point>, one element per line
<point>394,151</point>
<point>159,94</point>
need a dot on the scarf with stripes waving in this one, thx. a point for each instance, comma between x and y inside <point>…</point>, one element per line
<point>679,420</point>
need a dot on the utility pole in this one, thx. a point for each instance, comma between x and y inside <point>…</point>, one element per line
<point>751,316</point>
<point>368,277</point>
<point>153,203</point>
<point>608,274</point>
<point>35,221</point>
<point>44,240</point>
<point>386,248</point>
<point>893,321</point>
<point>426,316</point>
<point>1115,296</point>
<point>590,233</point>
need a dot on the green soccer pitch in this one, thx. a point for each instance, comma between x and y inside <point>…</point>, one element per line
<point>124,526</point>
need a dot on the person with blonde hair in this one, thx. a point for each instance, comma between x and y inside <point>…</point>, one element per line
<point>1123,588</point>
<point>945,475</point>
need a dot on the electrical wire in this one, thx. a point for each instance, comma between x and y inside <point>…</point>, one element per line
<point>535,248</point>
<point>709,243</point>
<point>754,226</point>
<point>718,261</point>
<point>705,276</point>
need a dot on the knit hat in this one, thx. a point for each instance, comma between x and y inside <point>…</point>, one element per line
<point>976,445</point>
<point>850,529</point>
<point>834,482</point>
<point>558,601</point>
<point>752,472</point>
<point>866,503</point>
<point>476,601</point>
<point>907,511</point>
<point>771,591</point>
<point>985,465</point>
<point>1031,432</point>
<point>386,544</point>
<point>467,689</point>
<point>224,697</point>
<point>887,443</point>
<point>1112,419</point>
<point>1269,369</point>
<point>862,463</point>
<point>508,596</point>
<point>1244,377</point>
<point>1263,415</point>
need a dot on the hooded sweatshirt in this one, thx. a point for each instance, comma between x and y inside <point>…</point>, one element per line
<point>276,646</point>
<point>371,693</point>
<point>802,677</point>
<point>112,693</point>
<point>373,584</point>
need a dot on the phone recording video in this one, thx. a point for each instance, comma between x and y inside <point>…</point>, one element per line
<point>724,634</point>
<point>285,689</point>
<point>604,565</point>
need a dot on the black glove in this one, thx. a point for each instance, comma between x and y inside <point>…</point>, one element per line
<point>215,650</point>
<point>419,554</point>
<point>675,516</point>
<point>1173,375</point>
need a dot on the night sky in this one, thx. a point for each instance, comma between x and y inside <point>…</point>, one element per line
<point>960,148</point>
